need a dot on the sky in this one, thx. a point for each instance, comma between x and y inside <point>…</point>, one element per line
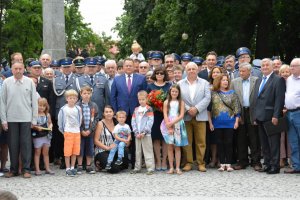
<point>101,14</point>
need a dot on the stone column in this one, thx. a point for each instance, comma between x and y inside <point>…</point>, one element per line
<point>54,39</point>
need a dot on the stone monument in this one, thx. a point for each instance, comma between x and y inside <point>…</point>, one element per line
<point>54,39</point>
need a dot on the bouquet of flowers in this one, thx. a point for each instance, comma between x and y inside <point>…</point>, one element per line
<point>156,99</point>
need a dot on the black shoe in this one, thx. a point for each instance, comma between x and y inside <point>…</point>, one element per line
<point>274,171</point>
<point>265,169</point>
<point>62,165</point>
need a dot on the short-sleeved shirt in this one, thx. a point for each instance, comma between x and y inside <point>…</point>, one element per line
<point>122,131</point>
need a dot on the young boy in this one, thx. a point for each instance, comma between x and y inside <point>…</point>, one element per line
<point>88,127</point>
<point>122,134</point>
<point>69,122</point>
<point>141,122</point>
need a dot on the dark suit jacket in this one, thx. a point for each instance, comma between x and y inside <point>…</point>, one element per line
<point>203,74</point>
<point>237,86</point>
<point>45,90</point>
<point>270,102</point>
<point>121,99</point>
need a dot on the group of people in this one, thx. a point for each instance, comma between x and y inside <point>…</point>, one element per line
<point>93,115</point>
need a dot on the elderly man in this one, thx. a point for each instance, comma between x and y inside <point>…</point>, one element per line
<point>19,110</point>
<point>211,61</point>
<point>110,70</point>
<point>268,105</point>
<point>45,60</point>
<point>196,95</point>
<point>169,61</point>
<point>248,133</point>
<point>292,103</point>
<point>144,67</point>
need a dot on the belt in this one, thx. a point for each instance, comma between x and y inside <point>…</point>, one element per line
<point>293,110</point>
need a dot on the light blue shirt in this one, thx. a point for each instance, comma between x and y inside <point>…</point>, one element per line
<point>246,92</point>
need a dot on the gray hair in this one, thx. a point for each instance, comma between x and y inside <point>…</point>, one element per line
<point>110,62</point>
<point>229,57</point>
<point>170,56</point>
<point>267,60</point>
<point>245,65</point>
<point>48,69</point>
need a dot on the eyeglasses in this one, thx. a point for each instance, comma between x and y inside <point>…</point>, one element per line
<point>169,61</point>
<point>159,73</point>
<point>143,67</point>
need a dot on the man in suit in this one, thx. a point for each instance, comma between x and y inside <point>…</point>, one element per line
<point>124,94</point>
<point>196,95</point>
<point>269,96</point>
<point>211,61</point>
<point>98,82</point>
<point>248,132</point>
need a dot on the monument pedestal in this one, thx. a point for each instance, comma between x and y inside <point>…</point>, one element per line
<point>54,39</point>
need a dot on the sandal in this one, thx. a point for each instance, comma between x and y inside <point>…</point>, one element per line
<point>50,172</point>
<point>38,173</point>
<point>171,171</point>
<point>178,171</point>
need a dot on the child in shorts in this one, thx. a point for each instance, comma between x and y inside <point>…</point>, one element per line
<point>69,122</point>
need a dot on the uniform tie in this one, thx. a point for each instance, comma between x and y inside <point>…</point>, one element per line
<point>92,79</point>
<point>67,79</point>
<point>262,85</point>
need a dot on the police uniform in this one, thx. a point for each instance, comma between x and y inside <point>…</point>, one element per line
<point>60,86</point>
<point>78,63</point>
<point>55,63</point>
<point>254,71</point>
<point>101,92</point>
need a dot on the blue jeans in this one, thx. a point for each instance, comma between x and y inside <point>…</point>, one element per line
<point>120,147</point>
<point>294,138</point>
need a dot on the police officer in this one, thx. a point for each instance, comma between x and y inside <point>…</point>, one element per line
<point>156,59</point>
<point>55,65</point>
<point>244,55</point>
<point>100,64</point>
<point>61,84</point>
<point>79,65</point>
<point>98,82</point>
<point>198,60</point>
<point>185,59</point>
<point>177,58</point>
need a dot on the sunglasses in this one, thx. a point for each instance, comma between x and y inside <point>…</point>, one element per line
<point>159,73</point>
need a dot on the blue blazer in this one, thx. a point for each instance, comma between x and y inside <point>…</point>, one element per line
<point>121,99</point>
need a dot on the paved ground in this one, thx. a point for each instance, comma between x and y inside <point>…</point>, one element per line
<point>245,184</point>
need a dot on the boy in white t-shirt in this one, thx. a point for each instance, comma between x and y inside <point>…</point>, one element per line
<point>142,122</point>
<point>69,121</point>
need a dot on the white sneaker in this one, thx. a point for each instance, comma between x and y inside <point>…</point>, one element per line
<point>1,174</point>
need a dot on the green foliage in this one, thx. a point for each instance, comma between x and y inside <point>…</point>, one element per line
<point>21,29</point>
<point>267,27</point>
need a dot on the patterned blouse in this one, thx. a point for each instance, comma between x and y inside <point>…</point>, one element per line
<point>106,137</point>
<point>224,114</point>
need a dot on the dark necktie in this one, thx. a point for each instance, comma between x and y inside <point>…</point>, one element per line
<point>129,84</point>
<point>92,79</point>
<point>67,79</point>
